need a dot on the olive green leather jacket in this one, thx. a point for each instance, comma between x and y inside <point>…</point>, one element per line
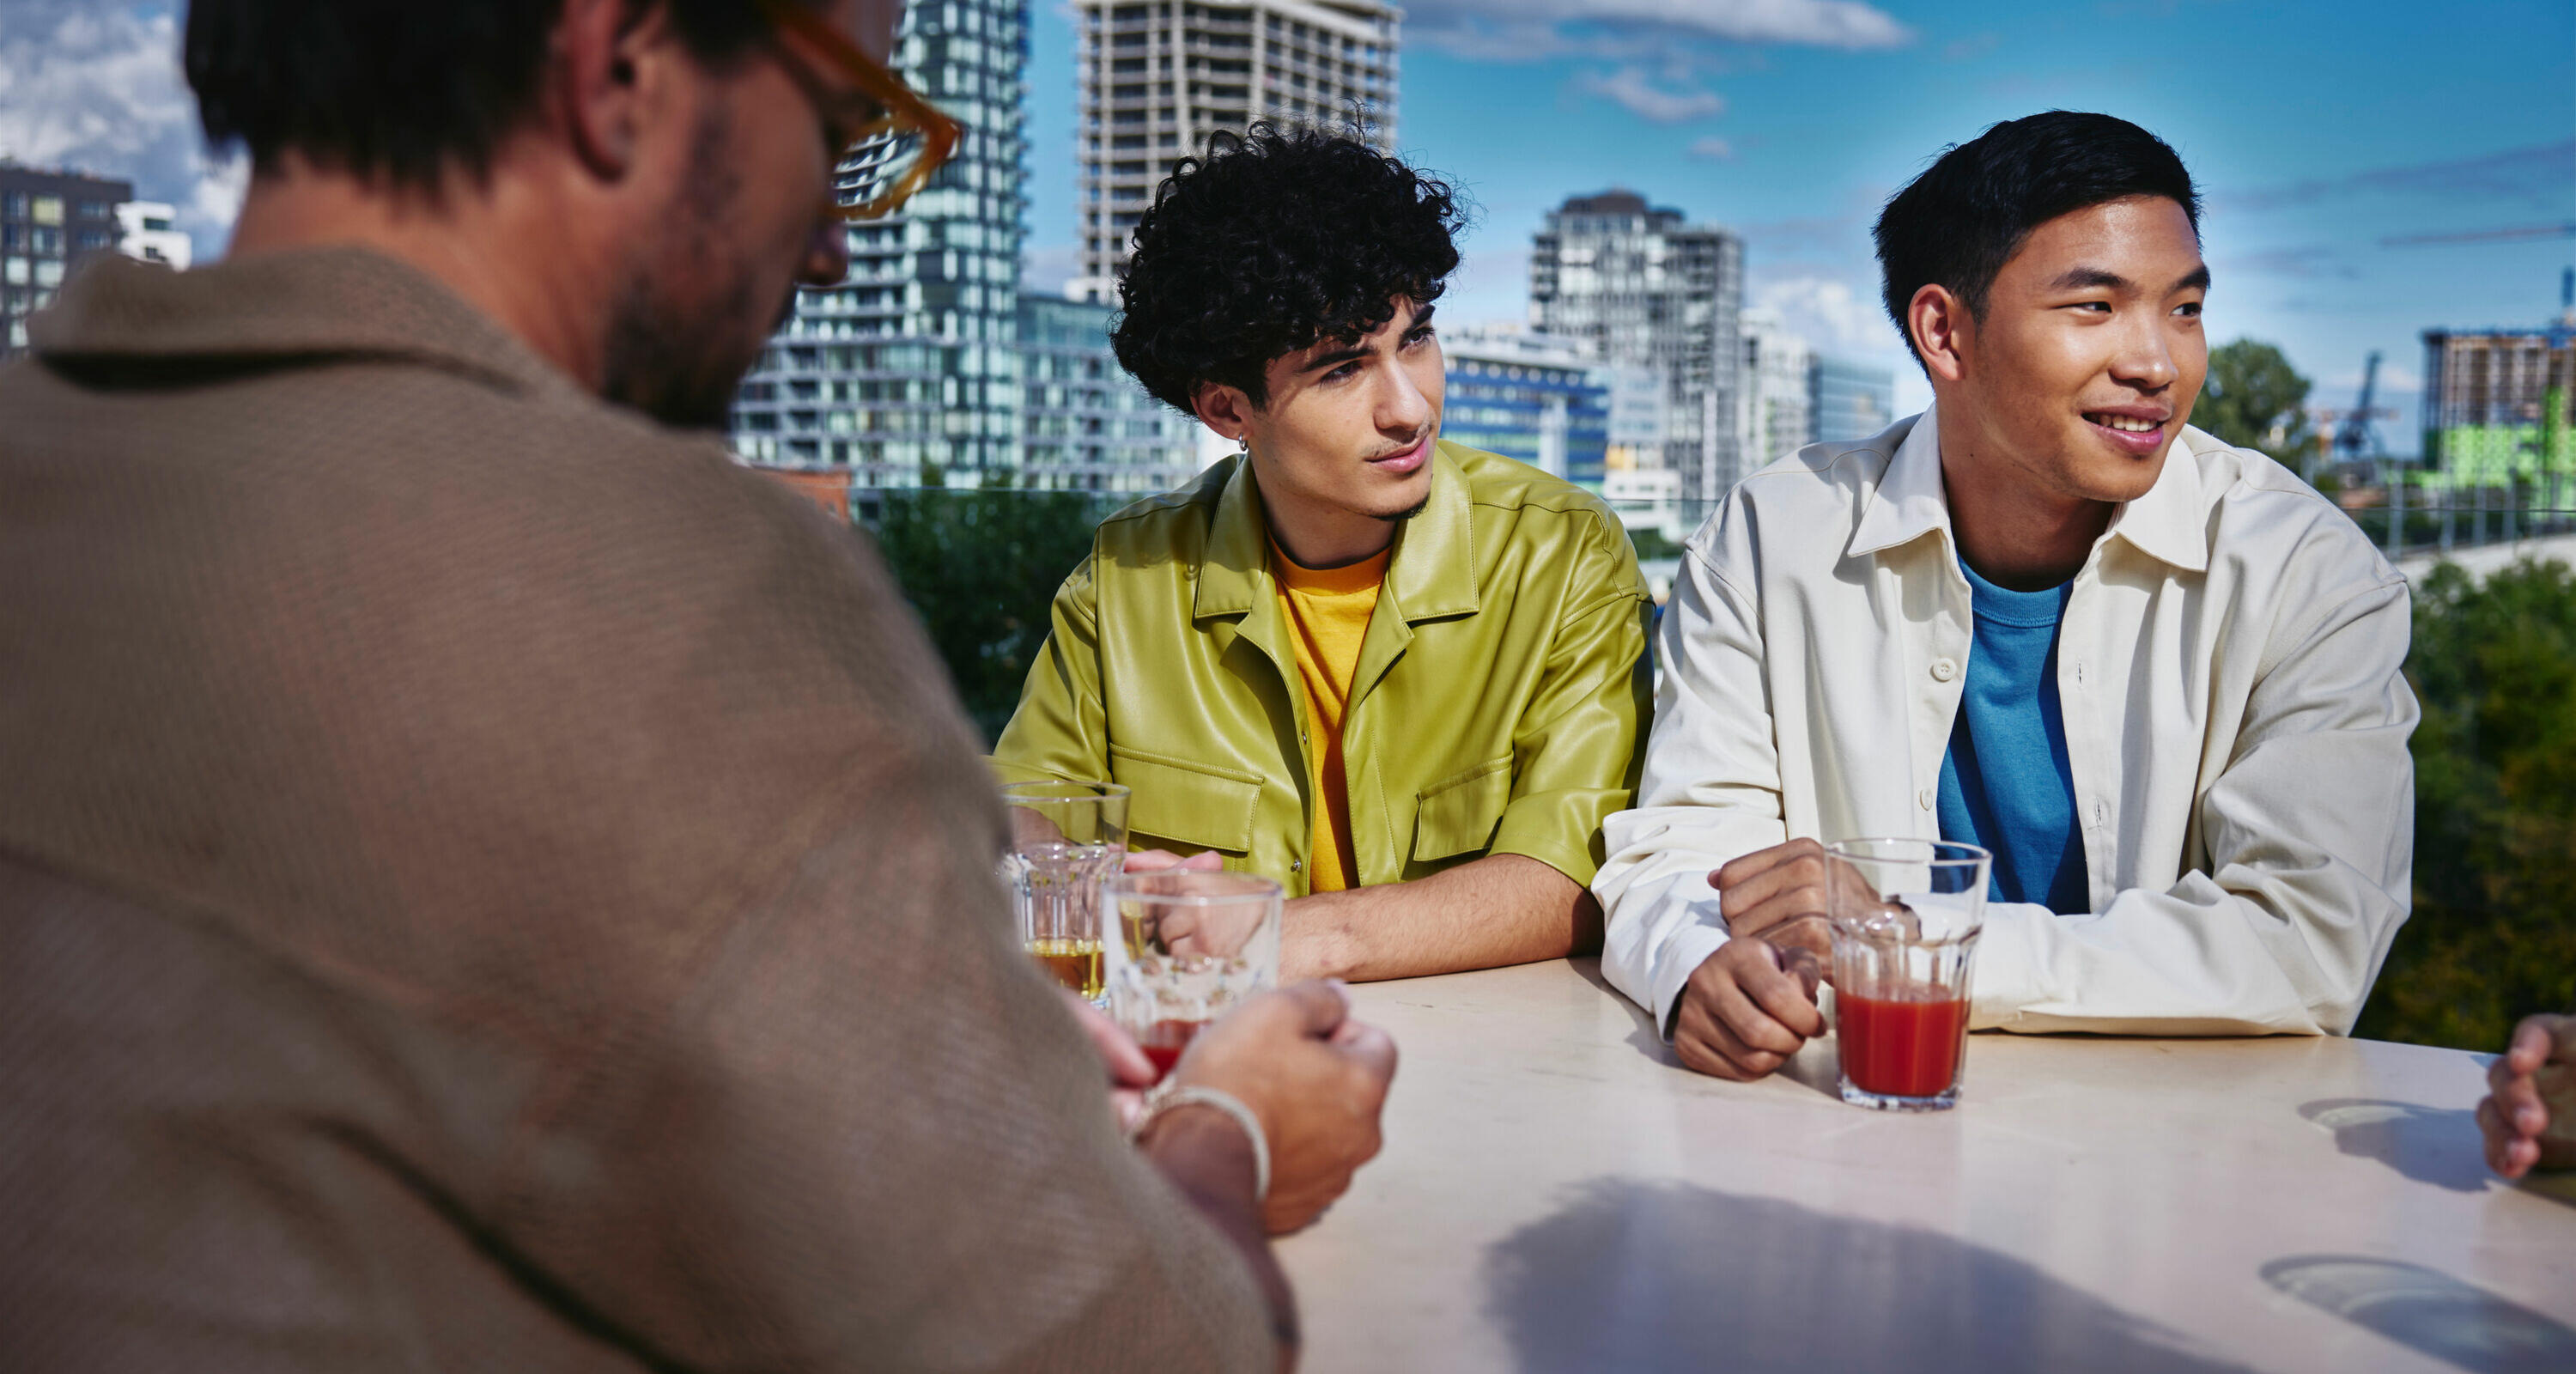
<point>1498,707</point>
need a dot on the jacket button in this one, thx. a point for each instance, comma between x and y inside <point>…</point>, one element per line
<point>1944,669</point>
<point>1296,865</point>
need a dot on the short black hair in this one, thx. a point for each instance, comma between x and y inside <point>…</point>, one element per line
<point>396,91</point>
<point>1964,218</point>
<point>1273,240</point>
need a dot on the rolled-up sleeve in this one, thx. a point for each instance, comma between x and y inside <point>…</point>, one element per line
<point>1060,729</point>
<point>1579,745</point>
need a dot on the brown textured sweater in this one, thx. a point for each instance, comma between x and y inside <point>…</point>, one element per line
<point>487,883</point>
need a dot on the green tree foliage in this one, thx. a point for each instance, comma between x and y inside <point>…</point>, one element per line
<point>2493,935</point>
<point>981,567</point>
<point>2255,399</point>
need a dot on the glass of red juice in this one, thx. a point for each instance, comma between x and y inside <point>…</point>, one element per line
<point>1184,948</point>
<point>1906,915</point>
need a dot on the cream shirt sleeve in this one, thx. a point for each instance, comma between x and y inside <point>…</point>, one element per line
<point>2309,835</point>
<point>1709,793</point>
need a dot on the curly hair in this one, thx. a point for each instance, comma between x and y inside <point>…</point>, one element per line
<point>1276,239</point>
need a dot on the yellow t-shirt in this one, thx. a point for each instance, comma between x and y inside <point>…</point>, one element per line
<point>1328,616</point>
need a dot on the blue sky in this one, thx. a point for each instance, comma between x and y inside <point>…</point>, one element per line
<point>2316,131</point>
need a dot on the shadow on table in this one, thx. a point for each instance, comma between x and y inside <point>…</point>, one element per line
<point>2434,1145</point>
<point>1815,1066</point>
<point>1670,1276</point>
<point>2429,1312</point>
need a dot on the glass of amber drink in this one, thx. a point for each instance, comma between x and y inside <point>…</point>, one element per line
<point>1184,949</point>
<point>1906,915</point>
<point>1065,838</point>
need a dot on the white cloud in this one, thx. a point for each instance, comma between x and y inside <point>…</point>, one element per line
<point>1631,87</point>
<point>1814,23</point>
<point>1045,268</point>
<point>1713,148</point>
<point>98,89</point>
<point>1830,313</point>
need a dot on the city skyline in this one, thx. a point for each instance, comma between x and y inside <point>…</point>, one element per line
<point>2319,132</point>
<point>2315,131</point>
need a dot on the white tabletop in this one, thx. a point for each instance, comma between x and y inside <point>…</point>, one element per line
<point>1557,1193</point>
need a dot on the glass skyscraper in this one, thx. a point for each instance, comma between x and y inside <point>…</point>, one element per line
<point>1086,425</point>
<point>908,372</point>
<point>1529,398</point>
<point>1849,400</point>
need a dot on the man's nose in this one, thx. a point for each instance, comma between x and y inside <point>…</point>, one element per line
<point>1402,408</point>
<point>827,253</point>
<point>2146,358</point>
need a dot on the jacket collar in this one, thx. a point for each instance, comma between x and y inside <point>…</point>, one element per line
<point>281,309</point>
<point>1432,574</point>
<point>2169,523</point>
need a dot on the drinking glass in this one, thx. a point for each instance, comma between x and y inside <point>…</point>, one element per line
<point>1187,947</point>
<point>1065,838</point>
<point>1905,916</point>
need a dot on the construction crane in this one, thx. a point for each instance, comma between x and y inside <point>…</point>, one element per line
<point>2526,231</point>
<point>2353,439</point>
<point>2347,433</point>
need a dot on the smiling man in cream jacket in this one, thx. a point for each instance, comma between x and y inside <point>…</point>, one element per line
<point>2158,676</point>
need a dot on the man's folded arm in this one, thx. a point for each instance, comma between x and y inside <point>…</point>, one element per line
<point>868,1136</point>
<point>2310,838</point>
<point>1709,791</point>
<point>1060,729</point>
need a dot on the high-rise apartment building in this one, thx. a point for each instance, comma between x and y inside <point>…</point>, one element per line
<point>1773,413</point>
<point>1849,400</point>
<point>1643,288</point>
<point>1085,424</point>
<point>49,222</point>
<point>1156,77</point>
<point>909,370</point>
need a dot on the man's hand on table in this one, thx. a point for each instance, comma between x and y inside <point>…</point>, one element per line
<point>1752,1004</point>
<point>1315,1077</point>
<point>2529,1117</point>
<point>1745,1010</point>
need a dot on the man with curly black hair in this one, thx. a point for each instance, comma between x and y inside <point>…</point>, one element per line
<point>1403,677</point>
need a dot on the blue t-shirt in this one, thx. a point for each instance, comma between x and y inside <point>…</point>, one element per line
<point>2005,784</point>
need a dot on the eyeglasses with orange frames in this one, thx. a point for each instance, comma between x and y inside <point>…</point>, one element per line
<point>890,139</point>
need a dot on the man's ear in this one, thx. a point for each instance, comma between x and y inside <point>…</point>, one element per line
<point>1224,409</point>
<point>605,53</point>
<point>1942,330</point>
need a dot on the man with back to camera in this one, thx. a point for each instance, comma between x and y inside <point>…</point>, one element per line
<point>487,882</point>
<point>1403,677</point>
<point>2157,676</point>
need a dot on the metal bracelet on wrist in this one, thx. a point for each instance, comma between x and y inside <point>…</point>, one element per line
<point>1167,1097</point>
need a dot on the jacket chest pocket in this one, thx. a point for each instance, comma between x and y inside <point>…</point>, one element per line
<point>1458,814</point>
<point>1198,805</point>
